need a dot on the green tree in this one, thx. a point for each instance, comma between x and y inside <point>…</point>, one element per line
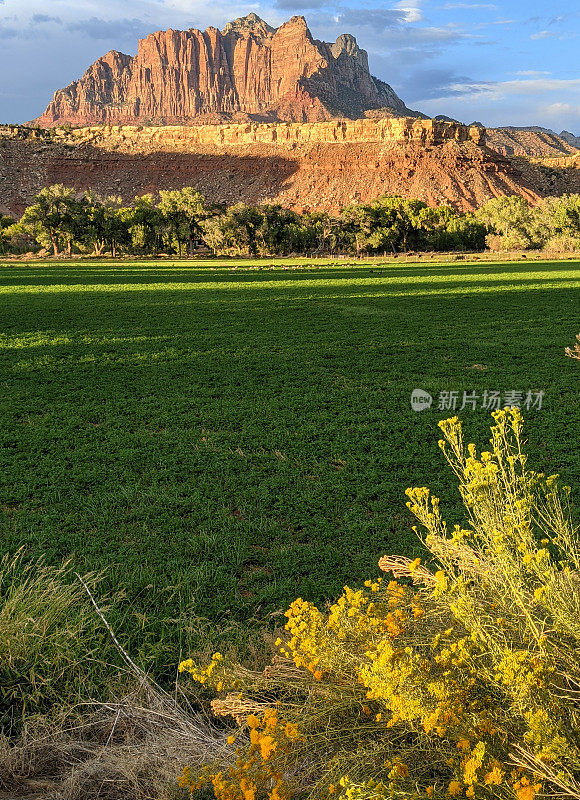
<point>269,230</point>
<point>280,231</point>
<point>405,218</point>
<point>558,222</point>
<point>145,225</point>
<point>53,217</point>
<point>238,230</point>
<point>183,211</point>
<point>245,222</point>
<point>105,223</point>
<point>320,232</point>
<point>444,229</point>
<point>388,223</point>
<point>5,224</point>
<point>215,234</point>
<point>509,222</point>
<point>360,227</point>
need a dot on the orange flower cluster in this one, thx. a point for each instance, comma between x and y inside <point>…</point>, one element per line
<point>255,771</point>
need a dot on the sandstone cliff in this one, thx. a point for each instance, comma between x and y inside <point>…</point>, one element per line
<point>181,138</point>
<point>316,166</point>
<point>247,71</point>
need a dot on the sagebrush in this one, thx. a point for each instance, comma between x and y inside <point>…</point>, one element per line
<point>458,677</point>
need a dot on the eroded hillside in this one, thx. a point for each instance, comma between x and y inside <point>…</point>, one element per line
<point>316,166</point>
<point>530,142</point>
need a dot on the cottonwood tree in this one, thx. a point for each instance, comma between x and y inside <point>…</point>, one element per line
<point>145,225</point>
<point>509,221</point>
<point>558,222</point>
<point>361,227</point>
<point>183,211</point>
<point>5,224</point>
<point>53,217</point>
<point>320,232</point>
<point>237,230</point>
<point>104,223</point>
<point>280,231</point>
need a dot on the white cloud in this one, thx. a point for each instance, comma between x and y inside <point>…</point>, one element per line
<point>413,14</point>
<point>552,102</point>
<point>499,90</point>
<point>557,109</point>
<point>411,10</point>
<point>386,35</point>
<point>532,73</point>
<point>543,35</point>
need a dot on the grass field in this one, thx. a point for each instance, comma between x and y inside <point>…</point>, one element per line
<point>220,441</point>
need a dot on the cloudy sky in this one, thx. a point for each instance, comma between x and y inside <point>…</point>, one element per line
<point>501,63</point>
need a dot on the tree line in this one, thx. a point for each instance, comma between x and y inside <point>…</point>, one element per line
<point>180,222</point>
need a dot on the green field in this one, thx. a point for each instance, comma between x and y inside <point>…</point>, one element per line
<point>220,441</point>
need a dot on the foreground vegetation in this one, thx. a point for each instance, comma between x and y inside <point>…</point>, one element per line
<point>458,678</point>
<point>220,440</point>
<point>63,220</point>
<point>217,441</point>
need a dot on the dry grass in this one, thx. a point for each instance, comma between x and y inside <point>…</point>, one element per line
<point>133,749</point>
<point>574,352</point>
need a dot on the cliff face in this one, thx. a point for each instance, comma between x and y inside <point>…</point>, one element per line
<point>181,138</point>
<point>247,71</point>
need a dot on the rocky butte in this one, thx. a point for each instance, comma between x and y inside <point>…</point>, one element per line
<point>257,114</point>
<point>248,71</point>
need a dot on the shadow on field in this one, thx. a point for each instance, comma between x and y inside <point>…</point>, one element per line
<point>148,327</point>
<point>119,275</point>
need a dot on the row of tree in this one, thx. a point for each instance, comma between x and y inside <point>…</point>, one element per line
<point>61,220</point>
<point>515,225</point>
<point>181,221</point>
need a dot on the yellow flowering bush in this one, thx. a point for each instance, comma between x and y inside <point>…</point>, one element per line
<point>457,677</point>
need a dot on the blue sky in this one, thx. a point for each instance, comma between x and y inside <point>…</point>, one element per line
<point>513,63</point>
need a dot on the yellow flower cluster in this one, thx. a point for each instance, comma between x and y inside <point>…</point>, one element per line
<point>370,790</point>
<point>201,675</point>
<point>374,612</point>
<point>305,625</point>
<point>216,674</point>
<point>524,789</point>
